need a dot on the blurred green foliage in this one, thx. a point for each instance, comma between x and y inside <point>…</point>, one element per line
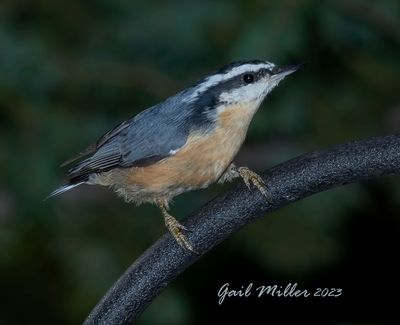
<point>71,70</point>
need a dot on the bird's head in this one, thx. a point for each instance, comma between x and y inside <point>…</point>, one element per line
<point>240,83</point>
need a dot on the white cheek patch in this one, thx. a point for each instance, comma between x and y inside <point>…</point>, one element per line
<point>245,94</point>
<point>251,93</point>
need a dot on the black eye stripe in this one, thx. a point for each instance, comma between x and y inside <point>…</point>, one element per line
<point>263,72</point>
<point>250,77</point>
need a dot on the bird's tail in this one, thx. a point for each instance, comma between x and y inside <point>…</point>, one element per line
<point>63,189</point>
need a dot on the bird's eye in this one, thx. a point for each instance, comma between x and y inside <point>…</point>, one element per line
<point>248,78</point>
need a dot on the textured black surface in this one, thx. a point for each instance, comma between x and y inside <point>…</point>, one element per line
<point>226,214</point>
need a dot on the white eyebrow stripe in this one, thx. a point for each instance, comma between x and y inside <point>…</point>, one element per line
<point>235,71</point>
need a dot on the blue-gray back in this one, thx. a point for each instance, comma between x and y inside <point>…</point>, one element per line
<point>147,137</point>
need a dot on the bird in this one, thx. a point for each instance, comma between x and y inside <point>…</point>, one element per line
<point>187,142</point>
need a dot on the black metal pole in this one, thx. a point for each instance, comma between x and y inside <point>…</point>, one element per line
<point>218,219</point>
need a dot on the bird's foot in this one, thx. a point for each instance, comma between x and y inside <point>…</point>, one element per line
<point>251,178</point>
<point>176,229</point>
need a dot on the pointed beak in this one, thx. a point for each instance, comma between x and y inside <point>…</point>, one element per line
<point>285,70</point>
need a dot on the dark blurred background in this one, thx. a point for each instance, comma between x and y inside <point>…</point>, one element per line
<point>71,70</point>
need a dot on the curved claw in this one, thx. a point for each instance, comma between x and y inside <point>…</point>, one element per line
<point>251,178</point>
<point>176,229</point>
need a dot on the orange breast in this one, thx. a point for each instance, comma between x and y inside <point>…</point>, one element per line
<point>200,162</point>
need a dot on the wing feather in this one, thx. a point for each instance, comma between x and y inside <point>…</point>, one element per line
<point>140,141</point>
<point>150,136</point>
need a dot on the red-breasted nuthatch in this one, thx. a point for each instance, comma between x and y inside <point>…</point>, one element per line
<point>186,142</point>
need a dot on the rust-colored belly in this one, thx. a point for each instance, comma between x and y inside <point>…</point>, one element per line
<point>199,163</point>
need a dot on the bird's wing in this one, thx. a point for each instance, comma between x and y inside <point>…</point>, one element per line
<point>143,140</point>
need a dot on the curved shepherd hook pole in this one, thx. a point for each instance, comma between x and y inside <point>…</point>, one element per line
<point>217,220</point>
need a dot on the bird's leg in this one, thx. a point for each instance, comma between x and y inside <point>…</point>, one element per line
<point>249,177</point>
<point>175,228</point>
